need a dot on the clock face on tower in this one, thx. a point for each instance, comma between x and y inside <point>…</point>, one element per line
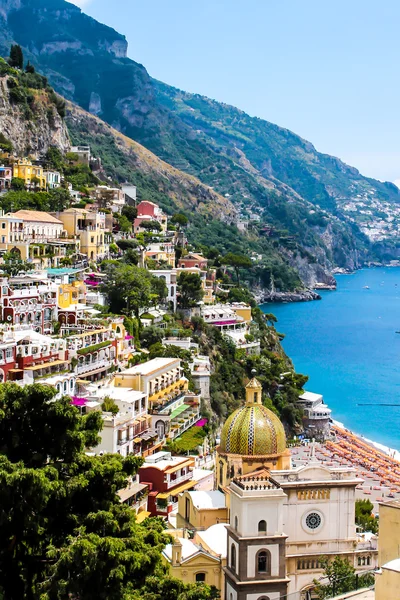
<point>312,521</point>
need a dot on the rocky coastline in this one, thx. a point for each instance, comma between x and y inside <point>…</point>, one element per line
<point>303,296</point>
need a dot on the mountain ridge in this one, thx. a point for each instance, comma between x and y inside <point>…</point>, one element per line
<point>262,168</point>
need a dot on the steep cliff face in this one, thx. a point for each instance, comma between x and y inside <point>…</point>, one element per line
<point>33,132</point>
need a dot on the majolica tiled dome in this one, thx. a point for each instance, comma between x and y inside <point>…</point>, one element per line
<point>253,430</point>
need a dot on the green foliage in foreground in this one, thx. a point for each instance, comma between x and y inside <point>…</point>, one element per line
<point>63,531</point>
<point>340,577</point>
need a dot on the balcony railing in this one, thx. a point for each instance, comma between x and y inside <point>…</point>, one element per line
<point>93,366</point>
<point>174,482</point>
<point>165,409</point>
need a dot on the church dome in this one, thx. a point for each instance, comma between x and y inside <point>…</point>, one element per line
<point>253,430</point>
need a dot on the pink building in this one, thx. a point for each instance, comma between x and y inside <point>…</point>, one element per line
<point>5,177</point>
<point>148,211</point>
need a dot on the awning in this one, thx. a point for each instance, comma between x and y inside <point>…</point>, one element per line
<point>149,435</point>
<point>175,413</point>
<point>180,466</point>
<point>140,517</point>
<point>141,419</point>
<point>134,489</point>
<point>177,490</point>
<point>137,440</point>
<point>46,365</point>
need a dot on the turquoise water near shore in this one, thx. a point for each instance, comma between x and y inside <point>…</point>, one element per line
<point>347,345</point>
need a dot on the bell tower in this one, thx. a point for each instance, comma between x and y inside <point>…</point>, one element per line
<point>256,556</point>
<point>253,392</point>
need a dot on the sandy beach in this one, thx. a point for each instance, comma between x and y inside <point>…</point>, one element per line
<point>378,470</point>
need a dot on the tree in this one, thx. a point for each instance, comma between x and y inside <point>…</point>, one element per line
<point>17,184</point>
<point>127,244</point>
<point>151,225</point>
<point>59,199</point>
<point>130,289</point>
<point>270,319</point>
<point>190,289</point>
<point>130,212</point>
<point>54,158</point>
<point>151,335</point>
<point>131,257</point>
<point>364,516</point>
<point>341,578</point>
<point>63,531</point>
<point>237,261</point>
<point>124,224</point>
<point>29,68</point>
<point>13,264</point>
<point>180,219</point>
<point>109,405</point>
<point>114,248</point>
<point>5,143</point>
<point>16,58</point>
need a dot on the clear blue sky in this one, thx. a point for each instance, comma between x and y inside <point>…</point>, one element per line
<point>328,70</point>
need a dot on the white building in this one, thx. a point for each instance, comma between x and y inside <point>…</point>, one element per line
<point>169,276</point>
<point>53,179</point>
<point>230,320</point>
<point>317,415</point>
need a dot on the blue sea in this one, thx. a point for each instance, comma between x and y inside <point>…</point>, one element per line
<point>347,345</point>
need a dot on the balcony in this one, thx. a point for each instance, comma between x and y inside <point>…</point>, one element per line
<point>33,292</point>
<point>166,407</point>
<point>174,482</point>
<point>93,366</point>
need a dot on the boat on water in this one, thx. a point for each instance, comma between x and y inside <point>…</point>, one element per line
<point>366,287</point>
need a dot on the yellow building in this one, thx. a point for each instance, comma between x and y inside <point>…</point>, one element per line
<point>253,437</point>
<point>201,509</point>
<point>31,174</point>
<point>242,310</point>
<point>90,228</point>
<point>160,379</point>
<point>71,294</point>
<point>199,560</point>
<point>35,236</point>
<point>387,585</point>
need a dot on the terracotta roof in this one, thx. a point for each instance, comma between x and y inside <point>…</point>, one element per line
<point>37,216</point>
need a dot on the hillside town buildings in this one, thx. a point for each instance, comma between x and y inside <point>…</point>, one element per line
<point>258,524</point>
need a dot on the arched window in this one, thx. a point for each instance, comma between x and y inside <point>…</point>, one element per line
<point>262,526</point>
<point>263,562</point>
<point>236,523</point>
<point>233,557</point>
<point>264,598</point>
<point>368,560</point>
<point>200,577</point>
